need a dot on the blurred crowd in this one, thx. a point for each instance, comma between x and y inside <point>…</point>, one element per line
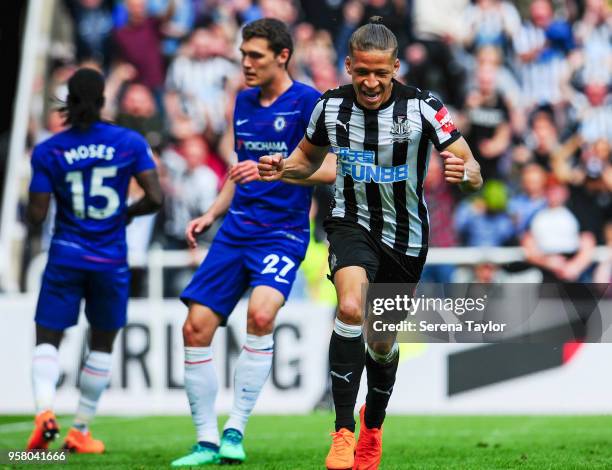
<point>528,84</point>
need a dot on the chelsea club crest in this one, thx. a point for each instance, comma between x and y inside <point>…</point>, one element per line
<point>279,123</point>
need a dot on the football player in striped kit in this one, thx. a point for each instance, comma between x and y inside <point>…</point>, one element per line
<point>381,132</point>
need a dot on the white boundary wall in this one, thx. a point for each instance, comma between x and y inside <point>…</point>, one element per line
<point>583,385</point>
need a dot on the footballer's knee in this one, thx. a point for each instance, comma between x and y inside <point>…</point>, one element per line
<point>194,334</point>
<point>101,340</point>
<point>200,326</point>
<point>260,322</point>
<point>349,311</point>
<point>381,347</point>
<point>47,336</point>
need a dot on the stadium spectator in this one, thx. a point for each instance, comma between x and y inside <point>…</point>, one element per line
<point>541,141</point>
<point>304,37</point>
<point>395,14</point>
<point>542,46</point>
<point>593,32</point>
<point>190,186</point>
<point>92,29</point>
<point>318,61</point>
<point>555,242</point>
<point>196,83</point>
<point>177,27</point>
<point>283,10</point>
<point>117,78</point>
<point>352,14</point>
<point>138,42</point>
<point>487,128</point>
<point>483,220</point>
<point>245,11</point>
<point>490,23</point>
<point>54,123</point>
<point>523,206</point>
<point>432,65</point>
<point>590,179</point>
<point>505,83</point>
<point>138,112</point>
<point>594,112</point>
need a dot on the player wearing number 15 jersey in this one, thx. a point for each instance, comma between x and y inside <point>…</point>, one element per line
<point>87,168</point>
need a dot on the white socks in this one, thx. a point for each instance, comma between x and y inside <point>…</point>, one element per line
<point>345,330</point>
<point>45,374</point>
<point>252,370</point>
<point>384,358</point>
<point>201,387</point>
<point>94,378</point>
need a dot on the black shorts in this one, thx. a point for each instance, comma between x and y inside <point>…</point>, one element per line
<point>350,244</point>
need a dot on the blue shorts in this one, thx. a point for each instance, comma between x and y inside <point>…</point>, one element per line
<point>229,270</point>
<point>105,292</point>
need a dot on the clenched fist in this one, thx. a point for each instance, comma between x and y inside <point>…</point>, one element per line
<point>454,168</point>
<point>271,167</point>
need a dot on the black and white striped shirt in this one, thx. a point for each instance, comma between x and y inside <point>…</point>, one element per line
<point>541,79</point>
<point>383,157</point>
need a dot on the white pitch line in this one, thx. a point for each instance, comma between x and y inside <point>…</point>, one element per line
<point>20,426</point>
<point>16,427</point>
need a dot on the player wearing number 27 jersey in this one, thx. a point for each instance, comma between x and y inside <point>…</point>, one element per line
<point>260,245</point>
<point>265,233</point>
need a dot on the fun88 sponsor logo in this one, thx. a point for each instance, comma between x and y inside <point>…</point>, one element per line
<point>374,173</point>
<point>359,164</point>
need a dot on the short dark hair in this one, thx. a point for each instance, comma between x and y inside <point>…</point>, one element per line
<point>274,31</point>
<point>85,98</point>
<point>373,36</point>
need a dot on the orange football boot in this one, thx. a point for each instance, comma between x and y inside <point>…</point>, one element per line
<point>45,430</point>
<point>81,443</point>
<point>342,452</point>
<point>369,446</point>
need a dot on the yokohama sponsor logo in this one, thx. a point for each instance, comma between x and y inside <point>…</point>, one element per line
<point>262,146</point>
<point>445,120</point>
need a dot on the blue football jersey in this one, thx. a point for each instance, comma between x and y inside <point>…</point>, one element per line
<point>88,172</point>
<point>262,210</point>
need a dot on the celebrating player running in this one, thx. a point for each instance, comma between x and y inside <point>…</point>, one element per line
<point>381,132</point>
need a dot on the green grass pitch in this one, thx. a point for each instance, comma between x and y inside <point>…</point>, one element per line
<point>301,442</point>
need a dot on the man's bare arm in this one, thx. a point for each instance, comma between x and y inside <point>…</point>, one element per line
<point>216,210</point>
<point>460,166</point>
<point>153,198</point>
<point>38,206</point>
<point>326,174</point>
<point>303,162</point>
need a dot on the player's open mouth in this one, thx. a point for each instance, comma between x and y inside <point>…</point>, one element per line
<point>370,96</point>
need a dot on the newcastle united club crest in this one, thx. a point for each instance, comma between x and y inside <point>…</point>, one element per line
<point>400,130</point>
